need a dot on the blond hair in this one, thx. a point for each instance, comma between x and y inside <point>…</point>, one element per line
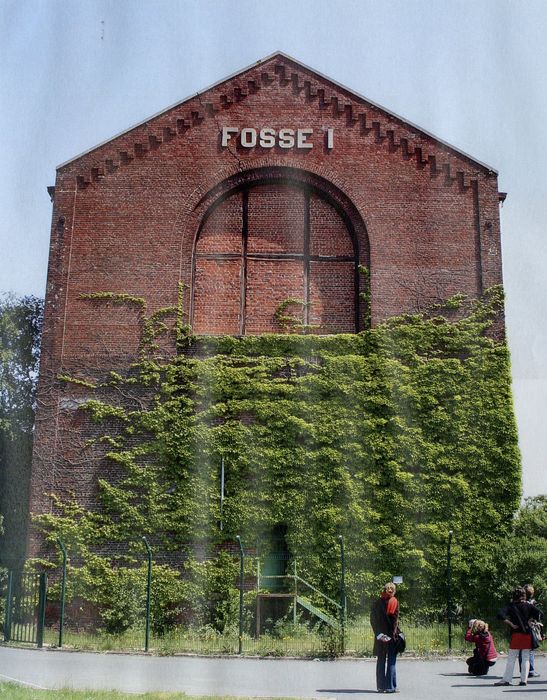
<point>479,626</point>
<point>390,587</point>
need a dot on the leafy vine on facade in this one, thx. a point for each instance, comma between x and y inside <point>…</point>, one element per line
<point>390,437</point>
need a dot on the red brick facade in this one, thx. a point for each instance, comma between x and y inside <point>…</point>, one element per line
<point>242,229</point>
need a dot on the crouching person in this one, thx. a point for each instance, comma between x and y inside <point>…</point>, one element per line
<point>484,654</point>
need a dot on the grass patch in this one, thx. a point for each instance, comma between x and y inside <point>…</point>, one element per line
<point>284,639</point>
<point>12,691</point>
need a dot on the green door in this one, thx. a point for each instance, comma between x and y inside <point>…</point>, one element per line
<point>276,560</point>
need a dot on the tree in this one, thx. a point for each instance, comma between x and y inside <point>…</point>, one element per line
<point>20,331</point>
<point>522,556</point>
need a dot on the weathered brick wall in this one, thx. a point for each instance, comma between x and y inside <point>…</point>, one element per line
<point>270,244</point>
<point>141,214</point>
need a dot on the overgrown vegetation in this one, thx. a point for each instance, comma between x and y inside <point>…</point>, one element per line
<point>390,437</point>
<point>20,328</point>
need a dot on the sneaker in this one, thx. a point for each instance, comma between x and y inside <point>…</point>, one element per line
<point>523,683</point>
<point>502,683</point>
<point>534,674</point>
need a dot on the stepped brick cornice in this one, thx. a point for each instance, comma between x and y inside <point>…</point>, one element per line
<point>373,123</point>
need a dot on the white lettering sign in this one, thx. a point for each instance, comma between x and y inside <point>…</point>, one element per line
<point>301,135</point>
<point>286,138</point>
<point>227,132</point>
<point>248,138</point>
<point>269,138</point>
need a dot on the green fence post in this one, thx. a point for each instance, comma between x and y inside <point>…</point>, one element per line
<point>294,615</point>
<point>449,586</point>
<point>241,579</point>
<point>42,593</point>
<point>63,591</point>
<point>148,590</point>
<point>343,599</point>
<point>7,613</point>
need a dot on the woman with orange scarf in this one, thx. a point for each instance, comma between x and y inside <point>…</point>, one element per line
<point>384,618</point>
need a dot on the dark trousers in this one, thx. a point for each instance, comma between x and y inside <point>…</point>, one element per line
<point>478,666</point>
<point>386,677</point>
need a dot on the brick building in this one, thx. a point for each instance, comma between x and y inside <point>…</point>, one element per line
<point>275,184</point>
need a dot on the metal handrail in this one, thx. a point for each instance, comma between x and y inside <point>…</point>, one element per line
<point>295,578</point>
<point>313,588</point>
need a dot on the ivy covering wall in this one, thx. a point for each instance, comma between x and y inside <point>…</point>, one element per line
<point>390,437</point>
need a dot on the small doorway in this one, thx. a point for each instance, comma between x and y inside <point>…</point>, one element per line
<point>276,559</point>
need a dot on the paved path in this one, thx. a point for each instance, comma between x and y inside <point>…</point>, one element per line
<point>346,679</point>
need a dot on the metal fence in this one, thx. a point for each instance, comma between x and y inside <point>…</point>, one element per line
<point>275,611</point>
<point>24,607</point>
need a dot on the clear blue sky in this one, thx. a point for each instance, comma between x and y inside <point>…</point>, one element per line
<point>474,72</point>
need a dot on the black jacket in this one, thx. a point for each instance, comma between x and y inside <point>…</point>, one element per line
<point>382,623</point>
<point>519,614</point>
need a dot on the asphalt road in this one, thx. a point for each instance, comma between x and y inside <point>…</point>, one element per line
<point>345,679</point>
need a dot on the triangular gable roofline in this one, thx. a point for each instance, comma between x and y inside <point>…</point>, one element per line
<point>280,54</point>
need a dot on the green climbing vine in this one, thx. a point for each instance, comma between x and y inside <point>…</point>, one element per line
<point>117,298</point>
<point>75,380</point>
<point>155,325</point>
<point>364,296</point>
<point>293,322</point>
<point>390,437</point>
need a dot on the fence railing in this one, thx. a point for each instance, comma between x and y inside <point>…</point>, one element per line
<point>295,579</point>
<point>24,606</point>
<point>298,619</point>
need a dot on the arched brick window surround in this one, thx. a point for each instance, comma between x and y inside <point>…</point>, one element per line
<point>262,232</point>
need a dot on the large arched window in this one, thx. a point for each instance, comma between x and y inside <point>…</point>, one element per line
<point>275,256</point>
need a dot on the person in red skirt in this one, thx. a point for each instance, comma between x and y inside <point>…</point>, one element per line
<point>516,615</point>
